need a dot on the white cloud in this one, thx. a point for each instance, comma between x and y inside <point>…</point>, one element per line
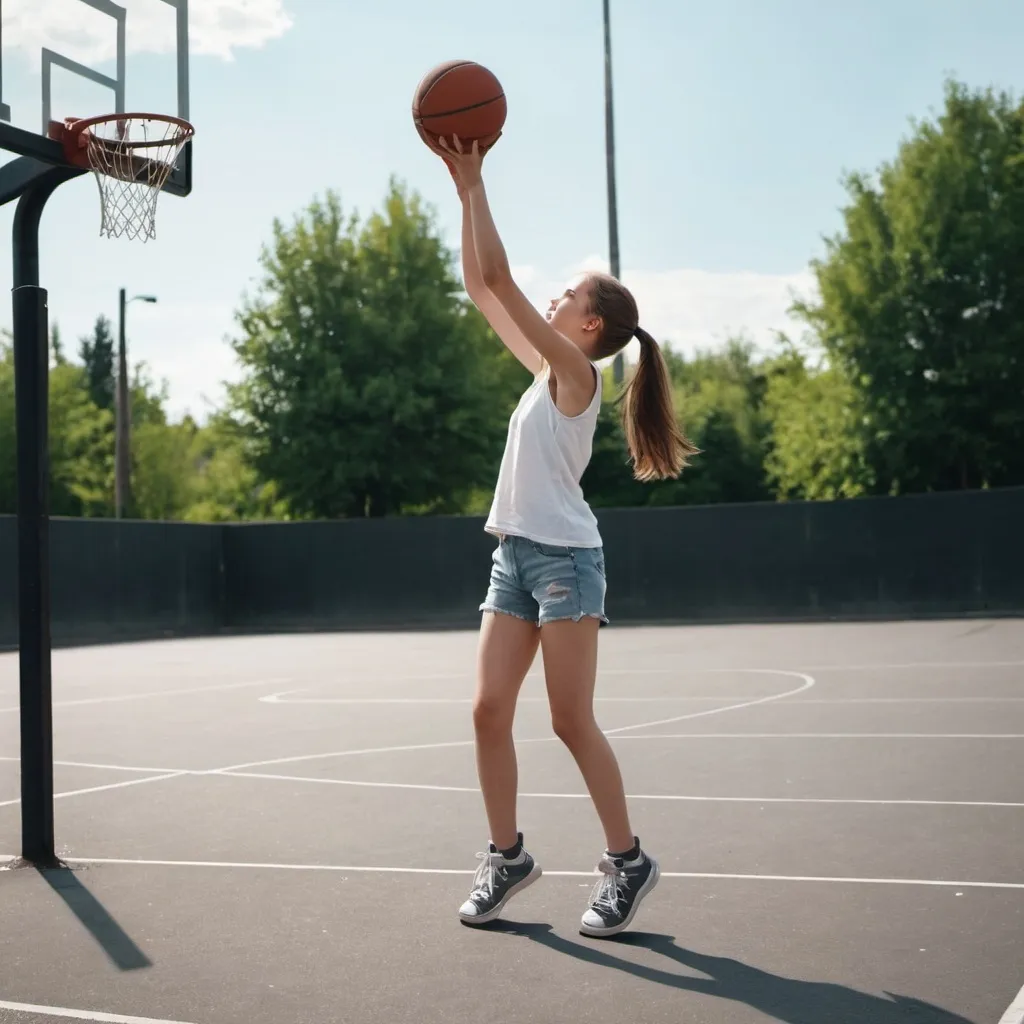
<point>694,309</point>
<point>216,27</point>
<point>220,26</point>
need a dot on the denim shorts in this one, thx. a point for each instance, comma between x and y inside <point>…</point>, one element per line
<point>546,582</point>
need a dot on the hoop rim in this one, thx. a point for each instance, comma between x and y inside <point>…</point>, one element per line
<point>73,130</point>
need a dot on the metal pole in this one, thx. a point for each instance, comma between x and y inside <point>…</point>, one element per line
<point>31,371</point>
<point>122,481</point>
<point>609,135</point>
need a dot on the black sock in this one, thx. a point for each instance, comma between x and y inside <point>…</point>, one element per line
<point>631,854</point>
<point>513,851</point>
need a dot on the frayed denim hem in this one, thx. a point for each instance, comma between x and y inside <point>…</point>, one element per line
<point>603,619</point>
<point>494,609</point>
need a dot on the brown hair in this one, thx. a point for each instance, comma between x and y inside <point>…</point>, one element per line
<point>657,444</point>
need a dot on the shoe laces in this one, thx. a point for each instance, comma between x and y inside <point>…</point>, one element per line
<point>610,888</point>
<point>490,868</point>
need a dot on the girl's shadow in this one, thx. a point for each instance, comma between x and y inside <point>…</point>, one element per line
<point>783,999</point>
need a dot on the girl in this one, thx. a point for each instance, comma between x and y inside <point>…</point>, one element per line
<point>547,582</point>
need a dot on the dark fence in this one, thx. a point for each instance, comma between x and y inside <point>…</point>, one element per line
<point>954,554</point>
<point>361,573</point>
<point>121,580</point>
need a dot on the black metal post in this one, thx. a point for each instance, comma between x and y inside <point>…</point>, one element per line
<point>609,137</point>
<point>122,482</point>
<point>31,372</point>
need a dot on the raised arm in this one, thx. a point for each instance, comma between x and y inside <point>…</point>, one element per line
<point>487,302</point>
<point>572,369</point>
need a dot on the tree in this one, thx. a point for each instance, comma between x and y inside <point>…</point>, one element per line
<point>817,449</point>
<point>97,355</point>
<point>224,486</point>
<point>81,447</point>
<point>718,397</point>
<point>80,457</point>
<point>57,347</point>
<point>162,470</point>
<point>921,307</point>
<point>370,386</point>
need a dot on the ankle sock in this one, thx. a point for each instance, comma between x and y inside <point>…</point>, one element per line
<point>513,852</point>
<point>633,853</point>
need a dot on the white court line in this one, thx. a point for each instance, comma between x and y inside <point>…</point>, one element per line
<point>360,783</point>
<point>101,789</point>
<point>284,697</point>
<point>1015,1013</point>
<point>808,682</point>
<point>105,767</point>
<point>909,700</point>
<point>826,736</point>
<point>914,664</point>
<point>93,1015</point>
<point>351,753</point>
<point>216,688</point>
<point>377,869</point>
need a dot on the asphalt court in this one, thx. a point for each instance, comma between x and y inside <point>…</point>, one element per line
<point>269,828</point>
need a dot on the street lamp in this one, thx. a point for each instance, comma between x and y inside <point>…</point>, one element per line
<point>609,145</point>
<point>122,414</point>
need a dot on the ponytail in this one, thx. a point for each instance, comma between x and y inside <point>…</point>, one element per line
<point>658,447</point>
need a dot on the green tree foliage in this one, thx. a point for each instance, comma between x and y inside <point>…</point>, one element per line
<point>817,449</point>
<point>370,386</point>
<point>162,469</point>
<point>922,302</point>
<point>225,487</point>
<point>57,354</point>
<point>97,355</point>
<point>718,398</point>
<point>80,436</point>
<point>81,447</point>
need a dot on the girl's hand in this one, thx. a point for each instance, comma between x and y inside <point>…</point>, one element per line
<point>464,164</point>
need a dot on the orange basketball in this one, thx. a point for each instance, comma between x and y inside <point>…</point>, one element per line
<point>459,97</point>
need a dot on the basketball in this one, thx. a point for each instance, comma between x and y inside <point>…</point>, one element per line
<point>459,97</point>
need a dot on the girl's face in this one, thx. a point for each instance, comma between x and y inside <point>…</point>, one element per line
<point>570,313</point>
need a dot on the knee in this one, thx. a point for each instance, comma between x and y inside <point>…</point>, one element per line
<point>492,717</point>
<point>572,726</point>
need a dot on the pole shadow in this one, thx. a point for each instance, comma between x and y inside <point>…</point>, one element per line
<point>788,1000</point>
<point>113,940</point>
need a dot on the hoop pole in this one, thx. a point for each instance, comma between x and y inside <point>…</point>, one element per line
<point>31,372</point>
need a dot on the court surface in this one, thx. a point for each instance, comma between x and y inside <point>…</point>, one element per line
<point>281,829</point>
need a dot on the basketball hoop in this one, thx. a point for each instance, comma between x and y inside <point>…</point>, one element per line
<point>131,157</point>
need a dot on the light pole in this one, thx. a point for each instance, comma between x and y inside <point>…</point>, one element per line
<point>122,414</point>
<point>609,145</point>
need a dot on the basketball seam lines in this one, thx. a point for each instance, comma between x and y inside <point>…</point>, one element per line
<point>460,110</point>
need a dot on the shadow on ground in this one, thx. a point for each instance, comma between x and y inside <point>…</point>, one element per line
<point>783,999</point>
<point>111,937</point>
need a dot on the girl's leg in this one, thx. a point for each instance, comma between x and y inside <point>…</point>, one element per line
<point>570,669</point>
<point>506,650</point>
<point>628,873</point>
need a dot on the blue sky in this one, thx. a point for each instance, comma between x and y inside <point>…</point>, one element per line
<point>735,120</point>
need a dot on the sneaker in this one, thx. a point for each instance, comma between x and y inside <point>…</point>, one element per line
<point>497,880</point>
<point>616,897</point>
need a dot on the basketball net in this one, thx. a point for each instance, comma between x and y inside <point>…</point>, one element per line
<point>130,182</point>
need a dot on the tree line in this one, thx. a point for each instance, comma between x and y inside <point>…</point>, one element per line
<point>370,385</point>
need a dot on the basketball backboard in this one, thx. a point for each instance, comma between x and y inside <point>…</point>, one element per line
<point>84,58</point>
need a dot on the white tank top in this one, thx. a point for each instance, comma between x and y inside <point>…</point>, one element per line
<point>538,494</point>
